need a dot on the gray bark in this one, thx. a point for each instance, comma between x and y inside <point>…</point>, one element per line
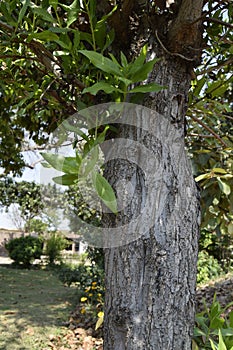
<point>150,282</point>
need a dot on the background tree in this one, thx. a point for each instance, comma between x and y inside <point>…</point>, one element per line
<point>25,198</point>
<point>45,78</point>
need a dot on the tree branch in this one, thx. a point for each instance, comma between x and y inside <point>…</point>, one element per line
<point>209,129</point>
<point>184,32</point>
<point>216,20</point>
<point>172,53</point>
<point>218,66</point>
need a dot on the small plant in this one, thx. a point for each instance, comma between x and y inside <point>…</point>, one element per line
<point>54,246</point>
<point>24,250</point>
<point>89,280</point>
<point>214,328</point>
<point>208,267</point>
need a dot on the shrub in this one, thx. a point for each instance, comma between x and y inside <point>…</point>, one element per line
<point>24,250</point>
<point>54,246</point>
<point>208,267</point>
<point>89,280</point>
<point>214,328</point>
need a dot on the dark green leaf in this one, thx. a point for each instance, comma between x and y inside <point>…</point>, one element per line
<point>46,35</point>
<point>153,87</point>
<point>138,63</point>
<point>73,12</point>
<point>107,88</point>
<point>142,72</point>
<point>23,9</point>
<point>101,62</point>
<point>42,13</point>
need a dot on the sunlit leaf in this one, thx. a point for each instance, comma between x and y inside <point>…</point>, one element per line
<point>66,164</point>
<point>224,187</point>
<point>66,179</point>
<point>221,344</point>
<point>100,320</point>
<point>219,170</point>
<point>105,191</point>
<point>202,177</point>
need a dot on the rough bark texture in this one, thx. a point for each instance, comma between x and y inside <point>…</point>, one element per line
<point>150,283</point>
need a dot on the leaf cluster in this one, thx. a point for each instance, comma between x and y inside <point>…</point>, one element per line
<point>214,328</point>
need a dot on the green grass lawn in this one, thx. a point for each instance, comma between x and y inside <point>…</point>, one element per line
<point>33,308</point>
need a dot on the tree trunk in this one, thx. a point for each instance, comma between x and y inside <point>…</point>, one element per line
<point>151,281</point>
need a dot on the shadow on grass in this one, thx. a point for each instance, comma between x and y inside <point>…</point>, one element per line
<point>32,303</point>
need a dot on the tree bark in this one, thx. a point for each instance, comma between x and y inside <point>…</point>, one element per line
<point>150,282</point>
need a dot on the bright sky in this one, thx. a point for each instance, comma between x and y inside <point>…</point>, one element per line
<point>38,175</point>
<point>28,175</point>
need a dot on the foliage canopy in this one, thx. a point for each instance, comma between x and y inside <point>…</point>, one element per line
<point>60,57</point>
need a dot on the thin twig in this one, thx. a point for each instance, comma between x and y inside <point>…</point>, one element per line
<point>209,129</point>
<point>6,26</point>
<point>200,135</point>
<point>16,57</point>
<point>172,53</point>
<point>216,20</point>
<point>218,66</point>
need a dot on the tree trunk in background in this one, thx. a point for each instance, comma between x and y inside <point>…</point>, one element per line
<point>150,282</point>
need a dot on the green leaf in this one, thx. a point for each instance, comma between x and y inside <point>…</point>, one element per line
<point>5,10</point>
<point>221,344</point>
<point>109,39</point>
<point>87,37</point>
<point>73,11</point>
<point>46,35</point>
<point>138,63</point>
<point>224,187</point>
<point>105,191</point>
<point>213,347</point>
<point>202,177</point>
<point>23,10</point>
<point>46,165</point>
<point>66,180</point>
<point>124,61</point>
<point>126,81</point>
<point>142,72</point>
<point>102,38</point>
<point>219,170</point>
<point>107,88</point>
<point>40,12</point>
<point>101,62</point>
<point>101,137</point>
<point>199,85</point>
<point>53,3</point>
<point>217,88</point>
<point>66,164</point>
<point>75,129</point>
<point>99,322</point>
<point>104,18</point>
<point>153,87</point>
<point>89,162</point>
